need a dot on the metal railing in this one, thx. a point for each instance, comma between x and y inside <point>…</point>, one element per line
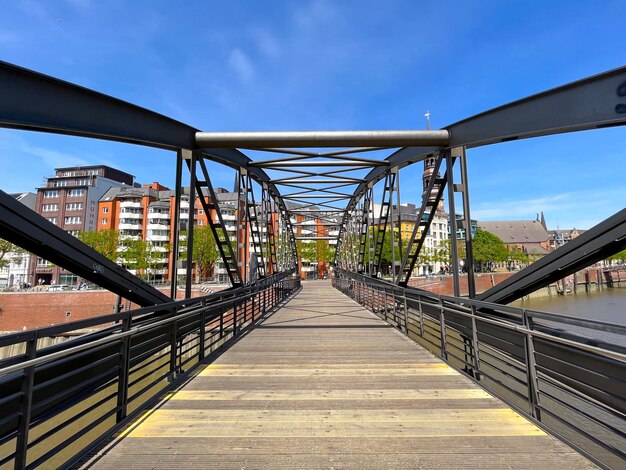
<point>58,402</point>
<point>566,374</point>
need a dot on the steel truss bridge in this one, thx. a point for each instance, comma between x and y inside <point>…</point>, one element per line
<point>59,402</point>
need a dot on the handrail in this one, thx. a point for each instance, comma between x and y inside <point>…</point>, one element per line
<point>135,361</point>
<point>517,356</point>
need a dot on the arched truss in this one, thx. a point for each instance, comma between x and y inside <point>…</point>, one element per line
<point>305,195</point>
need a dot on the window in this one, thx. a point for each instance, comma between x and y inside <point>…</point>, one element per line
<point>105,210</point>
<point>73,220</point>
<point>58,184</point>
<point>51,194</point>
<point>74,206</point>
<point>42,262</point>
<point>50,207</point>
<point>104,222</point>
<point>200,211</point>
<point>75,192</point>
<point>69,173</point>
<point>52,219</point>
<point>200,222</point>
<point>74,233</point>
<point>81,183</point>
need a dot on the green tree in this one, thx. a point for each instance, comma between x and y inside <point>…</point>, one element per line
<point>621,256</point>
<point>7,247</point>
<point>517,256</point>
<point>488,249</point>
<point>136,255</point>
<point>105,242</point>
<point>205,251</point>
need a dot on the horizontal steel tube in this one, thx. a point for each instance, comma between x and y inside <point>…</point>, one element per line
<point>297,139</point>
<point>316,238</point>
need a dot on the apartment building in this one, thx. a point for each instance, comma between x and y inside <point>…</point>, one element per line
<point>69,199</point>
<point>145,213</point>
<point>15,272</point>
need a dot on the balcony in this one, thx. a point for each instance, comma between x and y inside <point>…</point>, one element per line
<point>159,238</point>
<point>132,215</point>
<point>130,204</point>
<point>125,226</point>
<point>158,226</point>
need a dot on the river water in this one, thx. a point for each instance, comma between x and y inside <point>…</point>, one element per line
<point>607,305</point>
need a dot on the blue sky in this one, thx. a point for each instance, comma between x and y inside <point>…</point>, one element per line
<point>305,65</point>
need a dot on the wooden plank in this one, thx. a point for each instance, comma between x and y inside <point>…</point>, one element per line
<point>324,383</point>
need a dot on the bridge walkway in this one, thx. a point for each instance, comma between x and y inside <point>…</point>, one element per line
<point>323,383</point>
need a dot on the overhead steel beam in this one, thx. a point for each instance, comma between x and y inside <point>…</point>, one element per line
<point>594,102</point>
<point>27,229</point>
<point>316,238</point>
<point>37,102</point>
<point>596,244</point>
<point>317,164</point>
<point>252,140</point>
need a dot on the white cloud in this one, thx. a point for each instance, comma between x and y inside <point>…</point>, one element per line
<point>267,43</point>
<point>241,65</point>
<point>581,209</point>
<point>80,4</point>
<point>53,158</point>
<point>313,14</point>
<point>9,38</point>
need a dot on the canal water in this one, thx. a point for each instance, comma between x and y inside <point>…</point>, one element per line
<point>607,305</point>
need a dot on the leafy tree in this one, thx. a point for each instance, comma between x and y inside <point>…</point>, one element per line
<point>488,249</point>
<point>517,256</point>
<point>621,256</point>
<point>105,242</point>
<point>385,263</point>
<point>7,247</point>
<point>205,251</point>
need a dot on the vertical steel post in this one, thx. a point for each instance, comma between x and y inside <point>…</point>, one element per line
<point>190,224</point>
<point>202,332</point>
<point>124,371</point>
<point>173,348</point>
<point>475,344</point>
<point>442,326</point>
<point>453,240</point>
<point>406,314</point>
<point>531,369</point>
<point>26,405</point>
<point>469,250</point>
<point>175,230</point>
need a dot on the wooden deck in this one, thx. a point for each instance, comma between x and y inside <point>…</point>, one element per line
<point>323,383</point>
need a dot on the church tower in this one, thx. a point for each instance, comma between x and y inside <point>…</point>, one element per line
<point>429,169</point>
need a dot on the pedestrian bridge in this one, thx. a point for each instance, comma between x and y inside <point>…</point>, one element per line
<point>324,383</point>
<point>367,372</point>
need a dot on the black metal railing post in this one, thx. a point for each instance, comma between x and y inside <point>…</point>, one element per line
<point>202,340</point>
<point>475,344</point>
<point>173,348</point>
<point>442,326</point>
<point>531,368</point>
<point>28,379</point>
<point>124,371</point>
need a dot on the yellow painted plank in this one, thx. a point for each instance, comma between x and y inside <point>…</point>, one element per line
<point>180,417</point>
<point>323,372</point>
<point>255,366</point>
<point>427,394</point>
<point>356,430</point>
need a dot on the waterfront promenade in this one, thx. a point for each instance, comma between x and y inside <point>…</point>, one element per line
<point>323,383</point>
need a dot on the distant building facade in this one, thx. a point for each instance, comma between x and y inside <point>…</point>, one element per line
<point>530,236</point>
<point>15,272</point>
<point>69,199</point>
<point>558,238</point>
<point>146,213</point>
